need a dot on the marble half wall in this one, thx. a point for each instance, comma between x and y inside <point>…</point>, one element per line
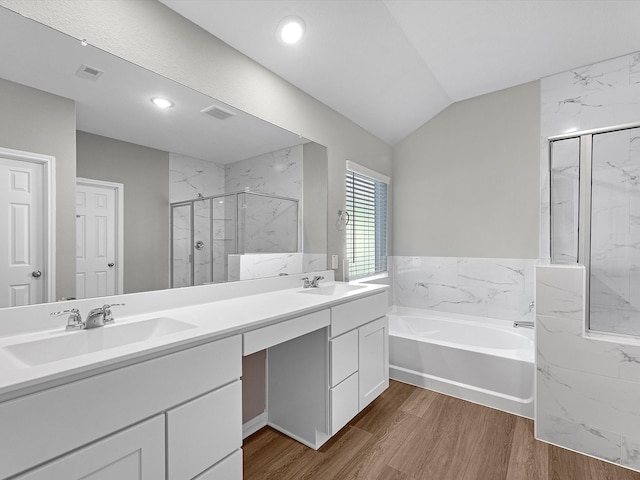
<point>587,386</point>
<point>488,287</point>
<point>262,265</point>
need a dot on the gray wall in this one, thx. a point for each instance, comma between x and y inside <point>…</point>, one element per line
<point>145,175</point>
<point>38,122</point>
<point>151,35</point>
<point>466,184</point>
<point>314,198</point>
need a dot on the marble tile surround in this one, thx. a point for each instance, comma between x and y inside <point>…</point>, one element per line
<point>489,287</point>
<point>588,389</point>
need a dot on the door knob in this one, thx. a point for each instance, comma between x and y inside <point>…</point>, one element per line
<point>110,264</point>
<point>36,274</point>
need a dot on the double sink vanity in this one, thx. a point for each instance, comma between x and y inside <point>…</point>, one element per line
<point>158,393</point>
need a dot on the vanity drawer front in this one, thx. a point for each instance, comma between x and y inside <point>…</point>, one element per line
<point>266,337</point>
<point>344,356</point>
<point>202,432</point>
<point>228,469</point>
<point>351,315</point>
<point>47,424</point>
<point>344,403</point>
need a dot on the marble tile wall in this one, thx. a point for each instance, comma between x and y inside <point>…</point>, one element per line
<point>268,226</point>
<point>489,287</point>
<point>250,266</point>
<point>190,176</point>
<point>594,96</point>
<point>588,389</point>
<point>277,173</point>
<point>265,225</point>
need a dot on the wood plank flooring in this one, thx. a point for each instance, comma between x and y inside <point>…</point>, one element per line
<point>409,433</point>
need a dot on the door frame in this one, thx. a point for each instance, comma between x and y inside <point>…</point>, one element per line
<point>118,188</point>
<point>48,163</point>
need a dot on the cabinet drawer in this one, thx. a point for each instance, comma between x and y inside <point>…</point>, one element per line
<point>36,427</point>
<point>204,431</point>
<point>344,356</point>
<point>228,469</point>
<point>266,337</point>
<point>344,403</point>
<point>350,315</point>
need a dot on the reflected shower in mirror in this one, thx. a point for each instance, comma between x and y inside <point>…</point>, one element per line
<point>93,114</point>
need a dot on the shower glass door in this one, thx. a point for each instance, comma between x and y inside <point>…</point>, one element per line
<point>614,273</point>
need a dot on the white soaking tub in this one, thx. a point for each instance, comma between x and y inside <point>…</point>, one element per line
<point>483,360</point>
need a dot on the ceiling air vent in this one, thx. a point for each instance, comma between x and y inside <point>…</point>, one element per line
<point>217,112</point>
<point>89,73</point>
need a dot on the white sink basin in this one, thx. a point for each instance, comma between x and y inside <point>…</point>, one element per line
<point>72,344</point>
<point>336,289</point>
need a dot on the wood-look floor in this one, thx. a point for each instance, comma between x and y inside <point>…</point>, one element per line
<point>410,433</point>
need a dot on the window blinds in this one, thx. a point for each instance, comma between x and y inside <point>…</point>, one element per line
<point>366,231</point>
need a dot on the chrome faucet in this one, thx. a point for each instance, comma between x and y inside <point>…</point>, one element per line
<point>523,324</point>
<point>98,317</point>
<point>101,316</point>
<point>315,283</point>
<point>74,322</point>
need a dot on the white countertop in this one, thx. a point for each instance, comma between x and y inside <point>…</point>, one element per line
<point>214,320</point>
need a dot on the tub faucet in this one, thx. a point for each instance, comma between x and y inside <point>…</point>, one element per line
<point>523,324</point>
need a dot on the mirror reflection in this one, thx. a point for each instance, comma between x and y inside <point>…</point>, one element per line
<point>113,194</point>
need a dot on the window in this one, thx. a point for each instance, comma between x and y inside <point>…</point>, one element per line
<point>366,230</point>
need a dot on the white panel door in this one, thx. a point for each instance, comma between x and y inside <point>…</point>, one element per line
<point>22,241</point>
<point>96,238</point>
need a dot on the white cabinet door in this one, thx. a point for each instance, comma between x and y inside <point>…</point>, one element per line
<point>373,360</point>
<point>203,431</point>
<point>136,453</point>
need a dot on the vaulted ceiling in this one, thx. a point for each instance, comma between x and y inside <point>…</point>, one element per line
<point>391,65</point>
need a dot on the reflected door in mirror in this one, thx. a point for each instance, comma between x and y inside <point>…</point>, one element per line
<point>96,239</point>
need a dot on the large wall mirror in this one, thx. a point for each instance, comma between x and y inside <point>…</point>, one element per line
<point>108,193</point>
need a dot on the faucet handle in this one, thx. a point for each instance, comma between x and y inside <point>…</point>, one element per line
<point>306,282</point>
<point>108,316</point>
<point>74,322</point>
<point>316,280</point>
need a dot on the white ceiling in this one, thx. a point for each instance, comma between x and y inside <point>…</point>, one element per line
<point>391,65</point>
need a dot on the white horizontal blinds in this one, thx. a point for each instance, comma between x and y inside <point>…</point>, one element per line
<point>367,227</point>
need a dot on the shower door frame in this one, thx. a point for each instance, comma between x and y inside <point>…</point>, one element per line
<point>585,166</point>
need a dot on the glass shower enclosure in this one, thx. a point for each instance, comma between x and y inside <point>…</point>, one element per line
<point>206,230</point>
<point>595,220</point>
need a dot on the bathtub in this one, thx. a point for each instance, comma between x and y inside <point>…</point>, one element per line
<point>483,360</point>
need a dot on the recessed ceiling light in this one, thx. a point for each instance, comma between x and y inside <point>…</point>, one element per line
<point>161,102</point>
<point>290,30</point>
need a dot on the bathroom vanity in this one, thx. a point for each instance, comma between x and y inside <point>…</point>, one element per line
<point>169,406</point>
